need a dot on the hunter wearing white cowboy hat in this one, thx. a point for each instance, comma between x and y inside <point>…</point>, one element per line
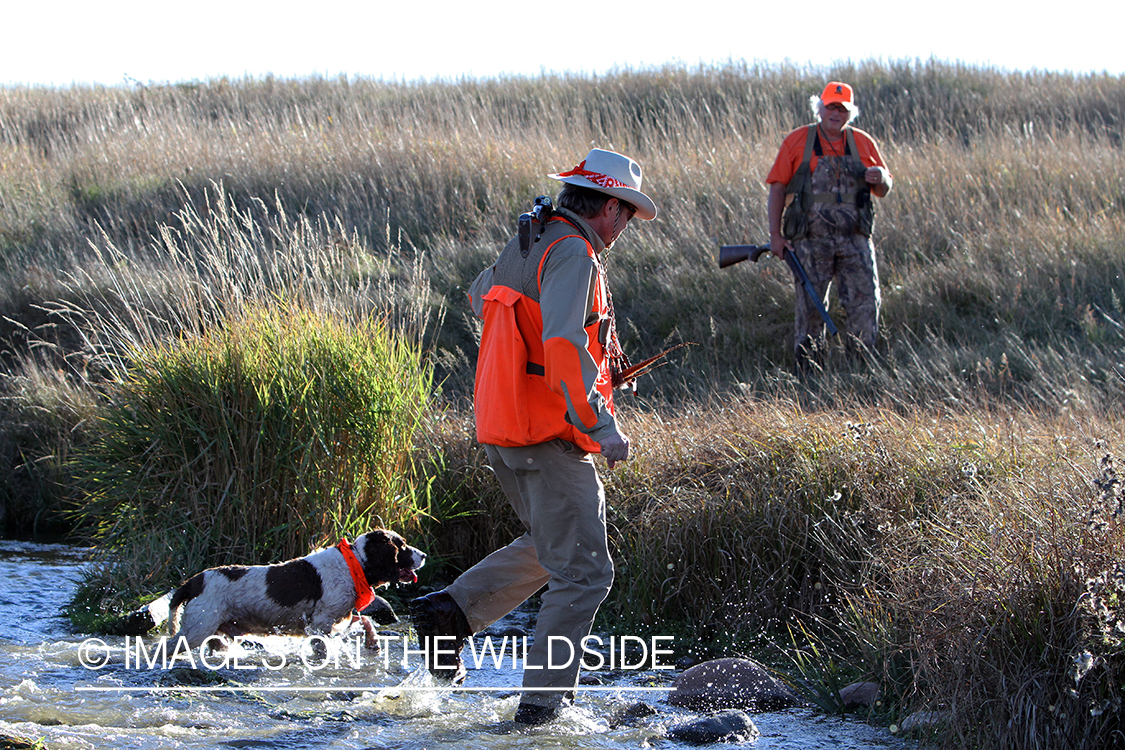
<point>614,174</point>
<point>548,365</point>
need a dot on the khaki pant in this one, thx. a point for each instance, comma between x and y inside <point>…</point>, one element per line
<point>558,496</point>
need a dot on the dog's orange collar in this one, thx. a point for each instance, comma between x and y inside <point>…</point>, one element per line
<point>364,594</point>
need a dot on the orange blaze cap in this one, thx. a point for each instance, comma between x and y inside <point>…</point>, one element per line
<point>837,93</point>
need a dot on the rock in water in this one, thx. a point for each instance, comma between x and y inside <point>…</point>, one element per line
<point>730,683</point>
<point>381,611</point>
<point>724,726</point>
<point>859,694</point>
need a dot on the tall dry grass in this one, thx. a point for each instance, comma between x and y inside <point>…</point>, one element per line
<point>942,517</point>
<point>1001,237</point>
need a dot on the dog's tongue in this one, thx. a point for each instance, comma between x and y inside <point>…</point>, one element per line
<point>406,574</point>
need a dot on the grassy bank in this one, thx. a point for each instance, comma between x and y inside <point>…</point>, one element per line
<point>953,558</point>
<point>968,561</point>
<point>944,518</point>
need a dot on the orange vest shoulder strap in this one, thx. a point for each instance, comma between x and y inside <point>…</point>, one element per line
<point>543,259</point>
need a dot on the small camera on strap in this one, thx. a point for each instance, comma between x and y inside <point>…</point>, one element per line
<point>538,216</point>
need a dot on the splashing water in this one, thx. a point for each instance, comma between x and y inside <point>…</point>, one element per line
<point>274,693</point>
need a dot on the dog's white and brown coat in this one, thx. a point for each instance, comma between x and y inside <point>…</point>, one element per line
<point>308,595</point>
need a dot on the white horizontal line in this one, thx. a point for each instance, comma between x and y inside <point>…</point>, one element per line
<point>361,688</point>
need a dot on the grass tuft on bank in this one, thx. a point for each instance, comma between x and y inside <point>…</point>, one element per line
<point>277,433</point>
<point>253,389</point>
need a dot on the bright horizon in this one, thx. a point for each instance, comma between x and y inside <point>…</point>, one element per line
<point>125,42</point>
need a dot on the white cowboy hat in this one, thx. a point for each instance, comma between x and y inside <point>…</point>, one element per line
<point>613,174</point>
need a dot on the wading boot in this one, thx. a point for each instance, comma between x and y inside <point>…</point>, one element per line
<point>527,715</point>
<point>532,715</point>
<point>436,615</point>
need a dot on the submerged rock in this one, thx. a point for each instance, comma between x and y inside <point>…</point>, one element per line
<point>924,720</point>
<point>724,726</point>
<point>631,714</point>
<point>859,694</point>
<point>730,683</point>
<point>381,612</point>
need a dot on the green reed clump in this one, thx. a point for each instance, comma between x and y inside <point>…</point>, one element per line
<point>257,441</point>
<point>257,382</point>
<point>72,333</point>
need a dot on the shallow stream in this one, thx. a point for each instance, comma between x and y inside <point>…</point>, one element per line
<point>75,691</point>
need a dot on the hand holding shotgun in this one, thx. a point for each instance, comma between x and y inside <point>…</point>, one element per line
<point>731,254</point>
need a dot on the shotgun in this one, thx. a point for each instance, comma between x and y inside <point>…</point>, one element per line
<point>731,254</point>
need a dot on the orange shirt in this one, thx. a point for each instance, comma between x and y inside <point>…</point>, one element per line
<point>793,150</point>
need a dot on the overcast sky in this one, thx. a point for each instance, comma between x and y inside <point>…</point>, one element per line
<point>117,42</point>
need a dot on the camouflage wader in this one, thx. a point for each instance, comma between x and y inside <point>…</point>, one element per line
<point>834,246</point>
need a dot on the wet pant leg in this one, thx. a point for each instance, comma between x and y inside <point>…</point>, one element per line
<point>557,494</point>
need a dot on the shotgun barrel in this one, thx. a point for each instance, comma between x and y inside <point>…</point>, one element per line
<point>731,254</point>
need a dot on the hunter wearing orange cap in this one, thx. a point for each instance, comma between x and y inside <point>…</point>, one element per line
<point>820,207</point>
<point>543,402</point>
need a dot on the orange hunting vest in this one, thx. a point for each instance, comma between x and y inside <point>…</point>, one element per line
<point>518,397</point>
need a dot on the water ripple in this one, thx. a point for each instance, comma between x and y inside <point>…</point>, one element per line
<point>46,692</point>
